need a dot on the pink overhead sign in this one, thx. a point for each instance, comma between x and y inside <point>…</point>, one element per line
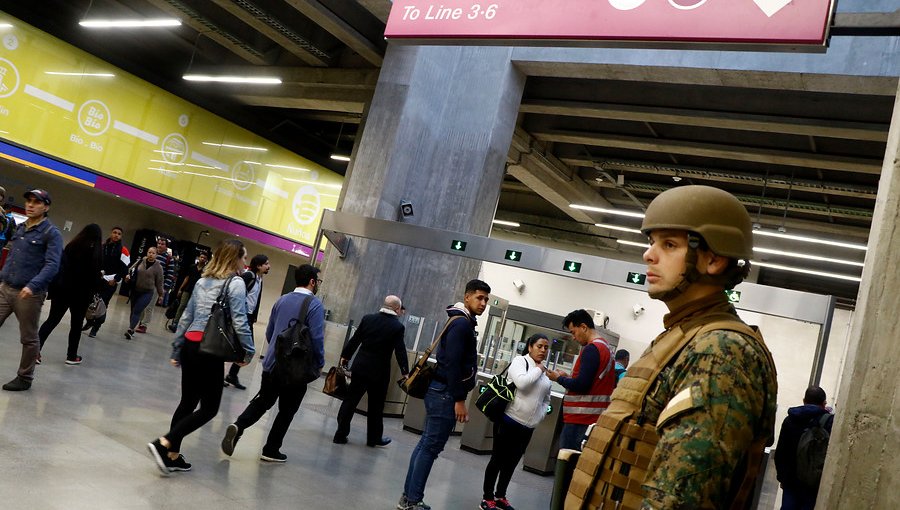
<point>788,22</point>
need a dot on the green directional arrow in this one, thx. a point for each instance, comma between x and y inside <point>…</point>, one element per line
<point>734,296</point>
<point>513,255</point>
<point>572,266</point>
<point>458,245</point>
<point>636,278</point>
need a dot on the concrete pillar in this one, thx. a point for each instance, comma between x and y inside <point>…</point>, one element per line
<point>436,134</point>
<point>863,465</point>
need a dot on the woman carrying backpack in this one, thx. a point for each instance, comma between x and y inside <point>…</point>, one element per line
<point>513,433</point>
<point>201,375</point>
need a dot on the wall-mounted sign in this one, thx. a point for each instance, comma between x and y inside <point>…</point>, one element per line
<point>656,22</point>
<point>458,245</point>
<point>572,267</point>
<point>636,278</point>
<point>734,296</point>
<point>513,255</point>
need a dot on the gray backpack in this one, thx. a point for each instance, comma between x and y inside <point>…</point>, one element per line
<point>811,450</point>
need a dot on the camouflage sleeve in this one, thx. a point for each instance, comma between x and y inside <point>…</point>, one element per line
<point>710,401</point>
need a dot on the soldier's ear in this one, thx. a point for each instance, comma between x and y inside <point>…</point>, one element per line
<point>716,264</point>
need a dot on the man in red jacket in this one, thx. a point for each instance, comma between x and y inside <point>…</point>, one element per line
<point>592,381</point>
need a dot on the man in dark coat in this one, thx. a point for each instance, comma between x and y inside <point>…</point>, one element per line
<point>378,335</point>
<point>796,496</point>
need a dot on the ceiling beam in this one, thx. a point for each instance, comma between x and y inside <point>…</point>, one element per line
<point>363,79</point>
<point>308,98</point>
<point>337,27</point>
<point>210,30</point>
<point>711,119</point>
<point>270,27</point>
<point>381,9</point>
<point>718,151</point>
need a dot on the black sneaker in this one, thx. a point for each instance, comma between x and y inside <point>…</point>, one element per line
<point>503,504</point>
<point>172,327</point>
<point>92,334</point>
<point>160,454</point>
<point>74,361</point>
<point>384,441</point>
<point>339,440</point>
<point>129,334</point>
<point>273,456</point>
<point>179,464</point>
<point>232,380</point>
<point>17,384</point>
<point>232,434</point>
<point>88,325</point>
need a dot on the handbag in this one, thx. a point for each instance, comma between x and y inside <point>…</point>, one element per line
<point>496,395</point>
<point>336,382</point>
<point>419,379</point>
<point>220,340</point>
<point>96,309</point>
<point>172,309</point>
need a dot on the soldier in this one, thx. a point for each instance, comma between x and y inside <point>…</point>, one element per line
<point>688,423</point>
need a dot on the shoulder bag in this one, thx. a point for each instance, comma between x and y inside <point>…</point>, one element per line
<point>220,340</point>
<point>422,373</point>
<point>96,309</point>
<point>496,395</point>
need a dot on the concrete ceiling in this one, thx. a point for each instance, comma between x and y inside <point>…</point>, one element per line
<point>803,153</point>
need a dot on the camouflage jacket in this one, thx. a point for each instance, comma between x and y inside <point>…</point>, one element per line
<point>711,403</point>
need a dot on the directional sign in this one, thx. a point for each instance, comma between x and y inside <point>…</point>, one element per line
<point>458,245</point>
<point>513,255</point>
<point>572,266</point>
<point>657,22</point>
<point>636,278</point>
<point>734,296</point>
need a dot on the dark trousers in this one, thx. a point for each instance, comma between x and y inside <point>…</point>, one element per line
<point>235,368</point>
<point>377,389</point>
<point>60,303</point>
<point>201,383</point>
<point>289,398</point>
<point>796,498</point>
<point>139,302</point>
<point>510,441</point>
<point>106,294</point>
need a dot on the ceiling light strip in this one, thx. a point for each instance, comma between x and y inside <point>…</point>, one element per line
<point>807,271</point>
<point>630,214</point>
<point>617,227</point>
<point>507,223</point>
<point>130,23</point>
<point>805,239</point>
<point>808,256</point>
<point>250,80</point>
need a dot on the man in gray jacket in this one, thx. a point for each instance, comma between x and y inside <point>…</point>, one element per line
<point>34,256</point>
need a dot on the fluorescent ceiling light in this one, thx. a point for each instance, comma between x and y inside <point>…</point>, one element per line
<point>90,75</point>
<point>230,146</point>
<point>507,223</point>
<point>855,246</point>
<point>632,243</point>
<point>130,23</point>
<point>630,214</point>
<point>616,227</point>
<point>340,157</point>
<point>808,257</point>
<point>6,25</point>
<point>299,169</point>
<point>807,271</point>
<point>251,80</point>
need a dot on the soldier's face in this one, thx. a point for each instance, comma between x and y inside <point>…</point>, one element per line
<point>665,260</point>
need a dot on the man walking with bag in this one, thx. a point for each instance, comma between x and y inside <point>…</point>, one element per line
<point>289,396</point>
<point>445,402</point>
<point>378,335</point>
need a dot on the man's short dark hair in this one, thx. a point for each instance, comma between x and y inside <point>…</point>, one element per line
<point>305,273</point>
<point>622,354</point>
<point>814,395</point>
<point>577,318</point>
<point>476,285</point>
<point>257,261</point>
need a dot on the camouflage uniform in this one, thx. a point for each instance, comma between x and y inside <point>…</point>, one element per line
<point>703,440</point>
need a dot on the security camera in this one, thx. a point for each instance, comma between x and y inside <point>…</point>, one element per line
<point>406,208</point>
<point>519,285</point>
<point>637,310</point>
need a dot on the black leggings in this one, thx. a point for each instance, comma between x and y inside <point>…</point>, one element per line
<point>510,440</point>
<point>201,383</point>
<point>60,303</point>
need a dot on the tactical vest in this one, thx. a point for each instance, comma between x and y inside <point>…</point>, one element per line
<point>615,459</point>
<point>584,408</point>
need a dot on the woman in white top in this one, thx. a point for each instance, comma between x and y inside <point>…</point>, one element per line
<point>513,432</point>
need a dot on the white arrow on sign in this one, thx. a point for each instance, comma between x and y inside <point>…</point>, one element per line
<point>636,278</point>
<point>512,256</point>
<point>458,246</point>
<point>771,7</point>
<point>572,266</point>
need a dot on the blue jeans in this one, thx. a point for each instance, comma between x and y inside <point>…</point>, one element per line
<point>571,436</point>
<point>797,499</point>
<point>139,301</point>
<point>439,421</point>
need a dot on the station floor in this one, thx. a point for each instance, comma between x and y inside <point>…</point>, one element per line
<point>77,440</point>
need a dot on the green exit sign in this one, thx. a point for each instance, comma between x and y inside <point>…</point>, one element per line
<point>734,296</point>
<point>458,245</point>
<point>636,278</point>
<point>572,266</point>
<point>513,255</point>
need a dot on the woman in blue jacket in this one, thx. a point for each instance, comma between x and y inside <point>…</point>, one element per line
<point>201,375</point>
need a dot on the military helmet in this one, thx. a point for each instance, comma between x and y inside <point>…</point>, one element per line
<point>714,214</point>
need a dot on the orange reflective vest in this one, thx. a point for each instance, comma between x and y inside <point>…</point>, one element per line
<point>585,408</point>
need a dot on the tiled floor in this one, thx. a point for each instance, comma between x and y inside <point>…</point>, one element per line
<point>77,440</point>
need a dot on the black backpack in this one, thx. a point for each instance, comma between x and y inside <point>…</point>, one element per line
<point>811,450</point>
<point>295,357</point>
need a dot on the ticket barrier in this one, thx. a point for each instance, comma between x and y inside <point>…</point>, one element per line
<point>540,456</point>
<point>478,434</point>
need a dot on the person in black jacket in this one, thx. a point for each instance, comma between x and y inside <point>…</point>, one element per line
<point>73,288</point>
<point>445,402</point>
<point>797,497</point>
<point>378,335</point>
<point>114,269</point>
